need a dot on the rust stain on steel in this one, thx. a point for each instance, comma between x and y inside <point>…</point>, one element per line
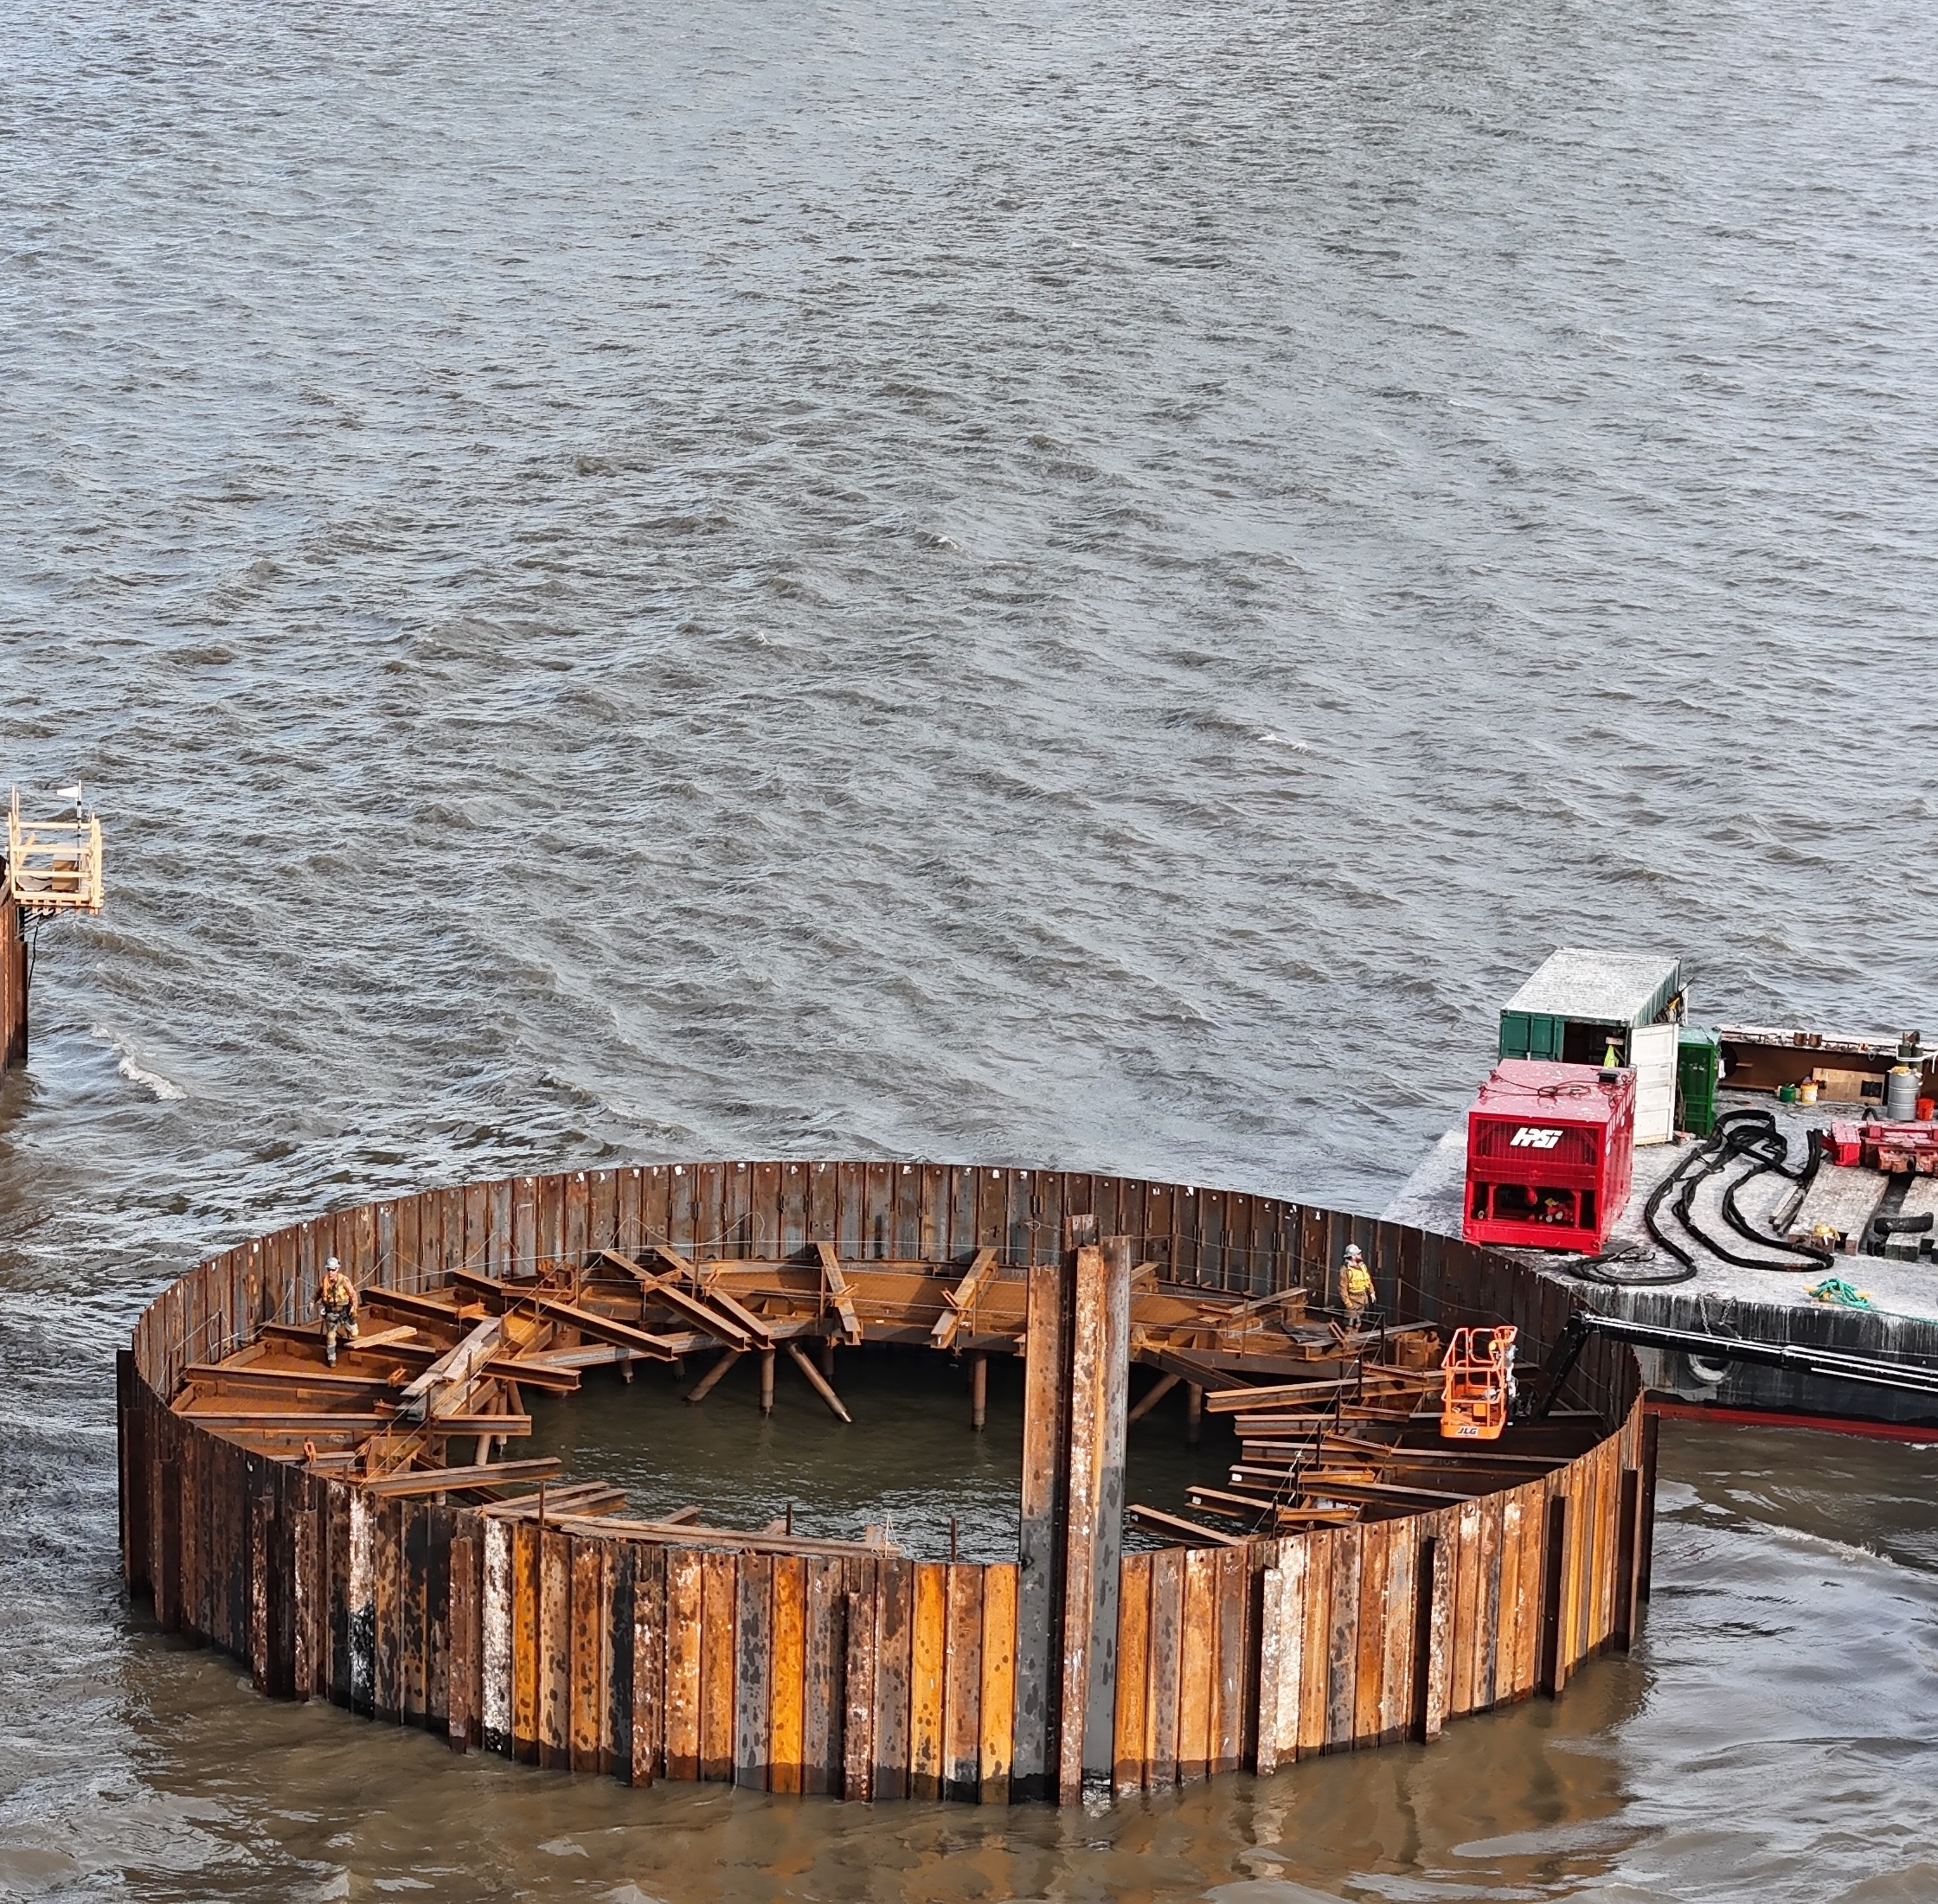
<point>346,1533</point>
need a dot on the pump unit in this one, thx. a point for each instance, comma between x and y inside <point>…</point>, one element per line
<point>1550,1154</point>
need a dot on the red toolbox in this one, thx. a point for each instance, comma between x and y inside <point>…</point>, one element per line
<point>1550,1154</point>
<point>1845,1144</point>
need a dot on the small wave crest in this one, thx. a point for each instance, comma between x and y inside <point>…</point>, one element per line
<point>131,1069</point>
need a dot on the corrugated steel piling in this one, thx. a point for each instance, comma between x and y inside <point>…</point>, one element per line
<point>1359,1582</point>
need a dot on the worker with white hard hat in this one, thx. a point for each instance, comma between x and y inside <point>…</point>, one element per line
<point>1356,1283</point>
<point>336,1298</point>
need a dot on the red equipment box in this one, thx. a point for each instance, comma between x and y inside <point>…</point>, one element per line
<point>1904,1150</point>
<point>1550,1154</point>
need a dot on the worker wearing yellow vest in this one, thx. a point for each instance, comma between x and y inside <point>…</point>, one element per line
<point>336,1298</point>
<point>1356,1283</point>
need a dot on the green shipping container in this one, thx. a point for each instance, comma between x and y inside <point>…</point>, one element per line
<point>1580,1002</point>
<point>1530,1035</point>
<point>1698,1066</point>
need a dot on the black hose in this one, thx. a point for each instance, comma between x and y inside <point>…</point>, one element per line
<point>1598,1269</point>
<point>1752,1133</point>
<point>1748,1133</point>
<point>1772,1151</point>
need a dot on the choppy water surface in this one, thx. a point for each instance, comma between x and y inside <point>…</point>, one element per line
<point>1053,584</point>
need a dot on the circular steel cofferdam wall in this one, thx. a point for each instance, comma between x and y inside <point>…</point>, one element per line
<point>650,1651</point>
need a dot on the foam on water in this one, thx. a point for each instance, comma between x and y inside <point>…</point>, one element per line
<point>164,1089</point>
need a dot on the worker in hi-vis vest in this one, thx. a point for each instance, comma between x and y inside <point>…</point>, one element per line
<point>336,1298</point>
<point>1356,1283</point>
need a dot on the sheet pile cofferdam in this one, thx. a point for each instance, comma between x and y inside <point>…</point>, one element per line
<point>359,1532</point>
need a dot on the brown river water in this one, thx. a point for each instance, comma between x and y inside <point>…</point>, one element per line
<point>1010,582</point>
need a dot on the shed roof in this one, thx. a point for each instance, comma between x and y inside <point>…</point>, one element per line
<point>1601,987</point>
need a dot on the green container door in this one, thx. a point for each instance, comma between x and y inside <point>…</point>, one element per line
<point>1698,1064</point>
<point>1530,1034</point>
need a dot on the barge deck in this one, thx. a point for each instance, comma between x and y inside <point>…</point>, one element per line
<point>1767,1304</point>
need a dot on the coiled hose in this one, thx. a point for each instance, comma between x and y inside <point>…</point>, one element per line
<point>1748,1132</point>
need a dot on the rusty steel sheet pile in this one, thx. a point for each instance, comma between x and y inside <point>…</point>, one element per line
<point>364,1531</point>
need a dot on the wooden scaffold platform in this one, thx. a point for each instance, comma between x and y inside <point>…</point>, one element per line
<point>49,870</point>
<point>366,1532</point>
